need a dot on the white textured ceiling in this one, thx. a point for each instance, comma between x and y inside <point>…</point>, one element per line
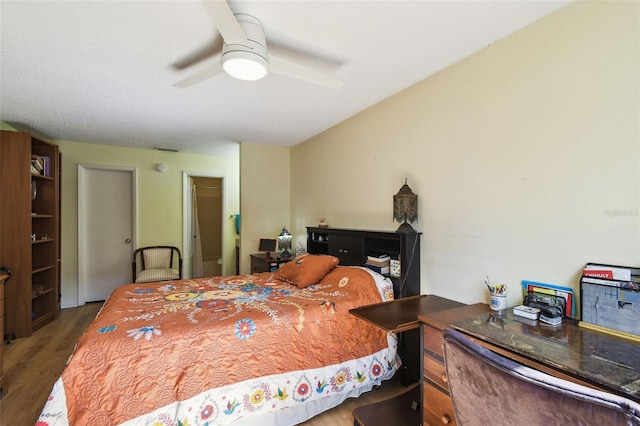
<point>102,71</point>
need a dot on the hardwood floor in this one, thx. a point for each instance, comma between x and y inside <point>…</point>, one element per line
<point>341,415</point>
<point>33,364</point>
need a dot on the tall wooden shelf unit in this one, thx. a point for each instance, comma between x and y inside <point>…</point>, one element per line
<point>29,232</point>
<point>3,278</point>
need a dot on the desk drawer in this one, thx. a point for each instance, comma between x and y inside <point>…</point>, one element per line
<point>434,370</point>
<point>432,338</point>
<point>437,407</point>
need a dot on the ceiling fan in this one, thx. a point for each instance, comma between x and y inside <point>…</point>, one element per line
<point>245,55</point>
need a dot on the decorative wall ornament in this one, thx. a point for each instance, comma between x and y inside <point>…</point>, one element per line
<point>405,208</point>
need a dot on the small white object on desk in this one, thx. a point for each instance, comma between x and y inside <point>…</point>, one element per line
<point>526,311</point>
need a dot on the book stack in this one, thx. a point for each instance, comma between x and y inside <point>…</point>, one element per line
<point>40,165</point>
<point>380,263</point>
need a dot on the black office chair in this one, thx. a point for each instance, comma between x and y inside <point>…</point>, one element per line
<point>489,389</point>
<point>157,263</point>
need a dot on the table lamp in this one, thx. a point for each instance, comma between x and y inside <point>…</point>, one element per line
<point>284,243</point>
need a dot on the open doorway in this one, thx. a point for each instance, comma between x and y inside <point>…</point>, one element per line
<point>206,226</point>
<point>203,229</point>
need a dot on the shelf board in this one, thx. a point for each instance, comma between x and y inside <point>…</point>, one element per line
<point>42,293</point>
<point>41,176</point>
<point>44,268</point>
<point>47,240</point>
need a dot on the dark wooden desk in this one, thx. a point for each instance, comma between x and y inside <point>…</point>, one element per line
<point>571,352</point>
<point>586,356</point>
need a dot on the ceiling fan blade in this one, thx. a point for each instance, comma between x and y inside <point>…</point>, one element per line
<point>226,22</point>
<point>207,50</point>
<point>205,73</point>
<point>291,69</point>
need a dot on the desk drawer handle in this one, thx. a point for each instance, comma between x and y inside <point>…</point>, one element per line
<point>444,377</point>
<point>445,419</point>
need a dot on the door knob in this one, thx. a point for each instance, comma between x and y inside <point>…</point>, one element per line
<point>128,241</point>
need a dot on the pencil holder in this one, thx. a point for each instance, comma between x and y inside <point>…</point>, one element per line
<point>498,302</point>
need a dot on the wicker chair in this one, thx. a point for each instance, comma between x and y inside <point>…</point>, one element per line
<point>157,263</point>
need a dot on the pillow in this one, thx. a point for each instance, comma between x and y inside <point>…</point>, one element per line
<point>307,269</point>
<point>157,258</point>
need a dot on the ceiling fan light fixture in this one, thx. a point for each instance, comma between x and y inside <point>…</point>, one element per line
<point>245,54</point>
<point>244,65</point>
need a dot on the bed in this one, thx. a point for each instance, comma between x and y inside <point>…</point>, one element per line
<point>269,348</point>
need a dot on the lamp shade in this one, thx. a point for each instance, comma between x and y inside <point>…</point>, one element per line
<point>284,243</point>
<point>248,61</point>
<point>245,65</point>
<point>405,208</point>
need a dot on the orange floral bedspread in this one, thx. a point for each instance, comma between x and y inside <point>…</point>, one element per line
<point>226,347</point>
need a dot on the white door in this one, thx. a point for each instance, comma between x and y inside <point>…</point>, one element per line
<point>105,230</point>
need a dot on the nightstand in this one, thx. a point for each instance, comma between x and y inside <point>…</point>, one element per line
<point>261,263</point>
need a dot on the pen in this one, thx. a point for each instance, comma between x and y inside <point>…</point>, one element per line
<point>486,282</point>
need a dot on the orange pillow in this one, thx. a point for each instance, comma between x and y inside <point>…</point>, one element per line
<point>307,269</point>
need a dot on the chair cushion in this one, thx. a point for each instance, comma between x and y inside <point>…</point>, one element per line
<point>158,274</point>
<point>157,258</point>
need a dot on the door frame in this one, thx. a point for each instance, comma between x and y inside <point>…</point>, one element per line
<point>187,214</point>
<point>83,169</point>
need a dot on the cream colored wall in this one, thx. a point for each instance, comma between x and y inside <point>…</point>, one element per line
<point>525,157</point>
<point>264,196</point>
<point>159,199</point>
